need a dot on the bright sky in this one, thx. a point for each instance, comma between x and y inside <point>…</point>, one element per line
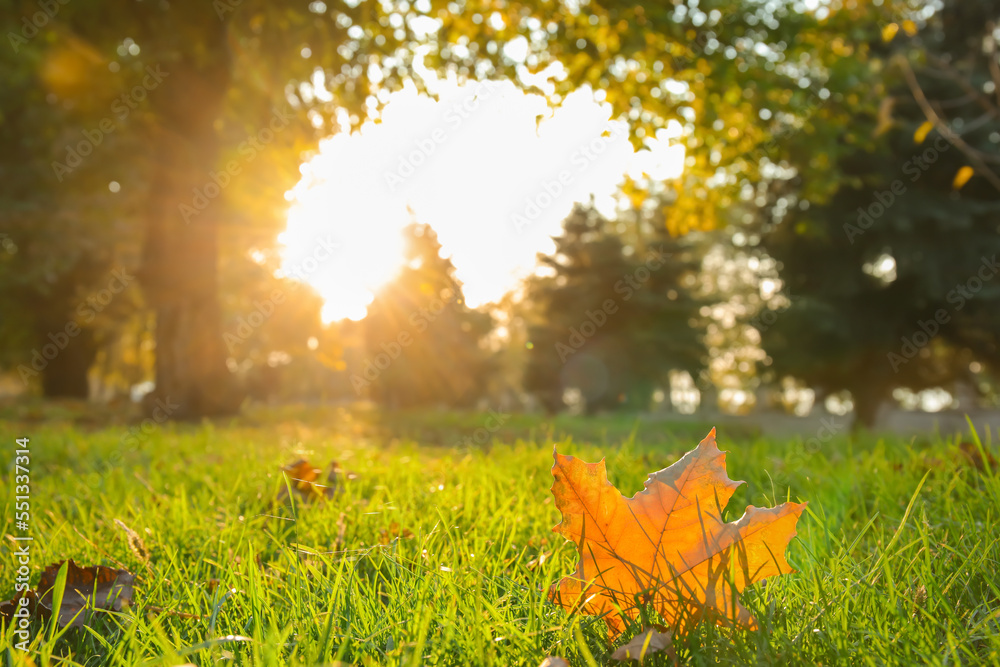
<point>468,165</point>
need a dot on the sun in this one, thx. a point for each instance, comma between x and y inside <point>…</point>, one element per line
<point>367,249</point>
<point>491,169</point>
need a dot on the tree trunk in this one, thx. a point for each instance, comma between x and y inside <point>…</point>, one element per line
<point>65,376</point>
<point>179,273</point>
<point>709,399</point>
<point>866,407</point>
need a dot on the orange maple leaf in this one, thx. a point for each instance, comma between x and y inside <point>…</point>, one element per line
<point>667,546</point>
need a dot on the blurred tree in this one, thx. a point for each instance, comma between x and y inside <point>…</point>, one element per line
<point>894,282</point>
<point>610,320</point>
<point>65,282</point>
<point>275,341</point>
<point>425,346</point>
<point>732,74</point>
<point>199,89</point>
<point>962,48</point>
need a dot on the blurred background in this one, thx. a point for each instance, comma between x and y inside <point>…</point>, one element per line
<point>775,211</point>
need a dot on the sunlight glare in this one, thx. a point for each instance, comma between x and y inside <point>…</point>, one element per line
<point>493,171</point>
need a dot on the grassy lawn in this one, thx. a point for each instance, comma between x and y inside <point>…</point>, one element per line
<point>439,552</point>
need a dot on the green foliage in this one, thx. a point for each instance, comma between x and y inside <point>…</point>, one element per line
<point>734,73</point>
<point>60,241</point>
<point>894,283</point>
<point>774,102</point>
<point>608,319</point>
<point>225,71</point>
<point>424,345</point>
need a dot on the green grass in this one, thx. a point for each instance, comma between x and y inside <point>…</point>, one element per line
<point>342,581</point>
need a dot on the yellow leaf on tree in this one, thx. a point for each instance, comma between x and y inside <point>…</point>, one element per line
<point>909,27</point>
<point>923,131</point>
<point>889,31</point>
<point>667,546</point>
<point>962,177</point>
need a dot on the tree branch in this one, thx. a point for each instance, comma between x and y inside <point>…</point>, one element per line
<point>994,62</point>
<point>918,94</point>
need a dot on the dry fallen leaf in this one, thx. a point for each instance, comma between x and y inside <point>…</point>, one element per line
<point>87,589</point>
<point>393,532</point>
<point>965,453</point>
<point>103,587</point>
<point>975,457</point>
<point>667,546</point>
<point>9,607</point>
<point>646,642</point>
<point>304,479</point>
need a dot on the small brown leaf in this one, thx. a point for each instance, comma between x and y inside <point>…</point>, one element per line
<point>646,642</point>
<point>387,535</point>
<point>103,587</point>
<point>975,458</point>
<point>87,589</point>
<point>304,479</point>
<point>301,476</point>
<point>8,608</point>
